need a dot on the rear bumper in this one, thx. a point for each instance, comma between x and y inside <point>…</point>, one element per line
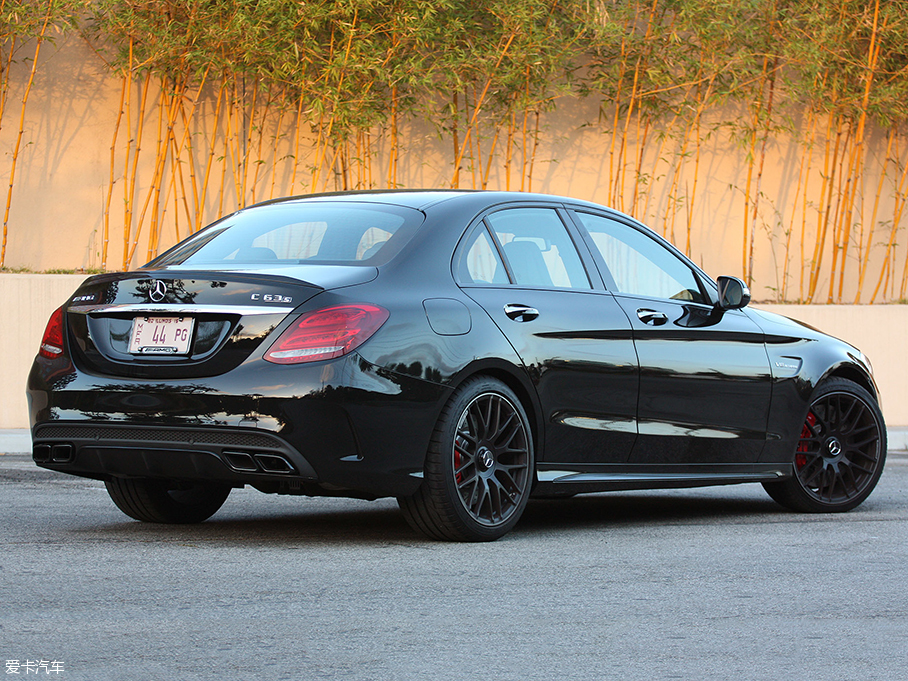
<point>101,450</point>
<point>345,428</point>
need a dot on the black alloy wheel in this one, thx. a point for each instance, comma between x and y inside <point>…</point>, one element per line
<point>840,453</point>
<point>166,501</point>
<point>479,467</point>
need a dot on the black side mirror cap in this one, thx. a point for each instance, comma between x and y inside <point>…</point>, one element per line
<point>733,293</point>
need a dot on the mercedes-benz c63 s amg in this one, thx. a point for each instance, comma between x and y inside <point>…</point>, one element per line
<point>460,351</point>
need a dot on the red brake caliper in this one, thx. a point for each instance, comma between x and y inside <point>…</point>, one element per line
<point>458,462</point>
<point>801,459</point>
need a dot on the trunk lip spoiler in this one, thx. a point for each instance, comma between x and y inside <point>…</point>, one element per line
<point>244,310</point>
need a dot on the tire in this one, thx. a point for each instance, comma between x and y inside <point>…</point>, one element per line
<point>840,454</point>
<point>479,466</point>
<point>166,501</point>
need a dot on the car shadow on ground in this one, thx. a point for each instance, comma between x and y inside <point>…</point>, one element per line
<point>381,522</point>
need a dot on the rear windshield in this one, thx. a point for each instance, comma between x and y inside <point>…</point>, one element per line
<point>309,233</point>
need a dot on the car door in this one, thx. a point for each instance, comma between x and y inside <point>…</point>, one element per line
<point>522,266</point>
<point>705,381</point>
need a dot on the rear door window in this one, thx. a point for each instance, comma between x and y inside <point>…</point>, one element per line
<point>538,248</point>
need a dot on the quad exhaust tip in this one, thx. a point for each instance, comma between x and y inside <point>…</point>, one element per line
<point>244,462</point>
<point>58,453</point>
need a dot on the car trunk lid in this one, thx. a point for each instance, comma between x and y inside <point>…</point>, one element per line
<point>182,323</point>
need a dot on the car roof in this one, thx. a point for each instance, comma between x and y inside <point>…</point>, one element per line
<point>421,199</point>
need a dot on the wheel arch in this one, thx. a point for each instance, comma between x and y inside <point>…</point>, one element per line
<point>517,380</point>
<point>854,374</point>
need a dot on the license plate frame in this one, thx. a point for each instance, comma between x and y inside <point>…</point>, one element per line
<point>161,335</point>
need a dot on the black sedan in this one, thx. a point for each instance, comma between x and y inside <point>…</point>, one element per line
<point>460,351</point>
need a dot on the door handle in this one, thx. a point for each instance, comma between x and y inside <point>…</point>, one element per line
<point>520,313</point>
<point>651,317</point>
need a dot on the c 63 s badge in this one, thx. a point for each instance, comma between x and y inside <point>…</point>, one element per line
<point>272,298</point>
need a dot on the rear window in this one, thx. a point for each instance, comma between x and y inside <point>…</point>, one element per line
<point>308,233</point>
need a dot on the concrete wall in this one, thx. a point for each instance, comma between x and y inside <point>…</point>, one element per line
<point>27,302</point>
<point>29,299</point>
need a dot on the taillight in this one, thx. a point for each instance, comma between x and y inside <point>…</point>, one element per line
<point>52,342</point>
<point>327,333</point>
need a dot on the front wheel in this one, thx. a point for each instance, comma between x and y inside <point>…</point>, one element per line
<point>166,501</point>
<point>840,453</point>
<point>479,466</point>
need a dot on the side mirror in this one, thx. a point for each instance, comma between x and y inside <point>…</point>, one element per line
<point>733,293</point>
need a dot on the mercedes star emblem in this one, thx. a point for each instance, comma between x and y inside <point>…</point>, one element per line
<point>158,291</point>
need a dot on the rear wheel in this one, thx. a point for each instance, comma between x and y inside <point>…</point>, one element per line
<point>166,501</point>
<point>840,453</point>
<point>479,466</point>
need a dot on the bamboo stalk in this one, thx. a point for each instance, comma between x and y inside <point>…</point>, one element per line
<point>296,142</point>
<point>176,212</point>
<point>282,109</point>
<point>261,135</point>
<point>533,153</point>
<point>187,131</point>
<point>477,107</point>
<point>131,190</point>
<point>638,167</point>
<point>4,78</point>
<point>753,222</point>
<point>193,181</point>
<point>246,149</point>
<point>524,159</point>
<point>154,189</point>
<point>176,173</point>
<point>338,90</point>
<point>392,143</point>
<point>899,204</point>
<point>659,157</point>
<point>228,148</point>
<point>805,159</point>
<point>618,198</point>
<point>616,110</point>
<point>368,158</point>
<point>105,239</point>
<point>455,181</point>
<point>333,166</point>
<point>857,153</point>
<point>864,262</point>
<point>491,155</point>
<point>751,160</point>
<point>237,141</point>
<point>826,190</point>
<point>839,214</point>
<point>212,144</point>
<point>471,139</point>
<point>509,147</point>
<point>28,88</point>
<point>668,220</point>
<point>320,144</point>
<point>702,99</point>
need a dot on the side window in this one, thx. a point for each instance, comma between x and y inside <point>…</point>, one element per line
<point>480,262</point>
<point>538,248</point>
<point>640,265</point>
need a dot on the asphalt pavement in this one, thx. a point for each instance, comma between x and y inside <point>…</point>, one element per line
<point>716,583</point>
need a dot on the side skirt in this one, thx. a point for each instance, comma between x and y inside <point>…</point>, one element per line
<point>616,478</point>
